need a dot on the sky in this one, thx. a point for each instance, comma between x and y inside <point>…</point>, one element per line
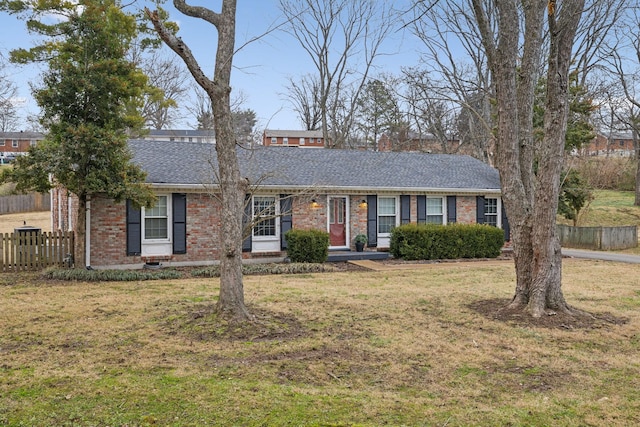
<point>261,68</point>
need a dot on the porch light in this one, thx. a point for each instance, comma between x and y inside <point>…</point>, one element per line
<point>363,203</point>
<point>314,203</point>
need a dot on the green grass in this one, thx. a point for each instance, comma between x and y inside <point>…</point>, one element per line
<point>399,347</point>
<point>610,209</point>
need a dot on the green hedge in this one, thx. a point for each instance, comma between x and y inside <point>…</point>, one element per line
<point>307,245</point>
<point>431,241</point>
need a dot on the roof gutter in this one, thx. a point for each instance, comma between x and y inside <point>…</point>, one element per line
<point>336,189</point>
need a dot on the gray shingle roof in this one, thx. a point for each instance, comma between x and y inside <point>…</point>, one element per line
<point>180,163</point>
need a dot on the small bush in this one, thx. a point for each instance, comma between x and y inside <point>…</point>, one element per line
<point>431,241</point>
<point>83,275</point>
<point>307,245</point>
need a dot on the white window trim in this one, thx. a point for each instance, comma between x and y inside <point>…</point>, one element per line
<point>169,223</point>
<point>397,210</point>
<point>277,218</point>
<point>498,213</point>
<point>285,141</point>
<point>15,143</point>
<point>265,244</point>
<point>444,209</point>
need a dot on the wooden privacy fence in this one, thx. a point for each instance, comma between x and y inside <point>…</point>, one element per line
<point>18,203</point>
<point>599,238</point>
<point>33,250</point>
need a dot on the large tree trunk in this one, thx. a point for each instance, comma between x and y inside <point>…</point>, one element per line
<point>232,186</point>
<point>531,195</point>
<point>231,302</point>
<point>636,146</point>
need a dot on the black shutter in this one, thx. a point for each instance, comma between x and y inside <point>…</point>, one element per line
<point>134,230</point>
<point>179,202</point>
<point>505,225</point>
<point>422,209</point>
<point>286,218</point>
<point>246,219</point>
<point>405,209</point>
<point>480,209</point>
<point>372,221</point>
<point>451,209</point>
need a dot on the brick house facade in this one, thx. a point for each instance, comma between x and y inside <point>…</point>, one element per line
<point>183,228</point>
<point>293,138</point>
<point>14,144</point>
<point>619,145</point>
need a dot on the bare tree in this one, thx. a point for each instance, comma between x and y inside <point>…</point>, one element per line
<point>168,83</point>
<point>627,73</point>
<point>514,51</point>
<point>343,38</point>
<point>304,95</point>
<point>8,93</point>
<point>232,186</point>
<point>435,117</point>
<point>595,39</point>
<point>454,75</point>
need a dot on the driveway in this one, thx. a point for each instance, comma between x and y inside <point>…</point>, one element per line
<point>602,255</point>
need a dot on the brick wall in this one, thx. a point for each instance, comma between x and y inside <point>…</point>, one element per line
<point>466,209</point>
<point>108,225</point>
<point>109,228</point>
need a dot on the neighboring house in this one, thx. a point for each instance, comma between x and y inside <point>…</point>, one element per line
<point>345,192</point>
<point>180,135</point>
<point>620,145</point>
<point>14,144</point>
<point>293,138</point>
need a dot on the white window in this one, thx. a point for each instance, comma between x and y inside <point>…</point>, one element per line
<point>14,143</point>
<point>264,216</point>
<point>301,141</point>
<point>32,142</point>
<point>491,211</point>
<point>435,210</point>
<point>156,220</point>
<point>274,140</point>
<point>2,143</point>
<point>387,214</point>
<point>285,140</point>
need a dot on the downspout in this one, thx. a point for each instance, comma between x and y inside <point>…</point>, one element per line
<point>51,207</point>
<point>60,224</point>
<point>69,207</point>
<point>87,234</point>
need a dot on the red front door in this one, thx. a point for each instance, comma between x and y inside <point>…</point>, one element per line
<point>337,221</point>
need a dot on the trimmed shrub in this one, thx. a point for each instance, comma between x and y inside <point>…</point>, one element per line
<point>307,245</point>
<point>432,241</point>
<point>255,269</point>
<point>82,275</point>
